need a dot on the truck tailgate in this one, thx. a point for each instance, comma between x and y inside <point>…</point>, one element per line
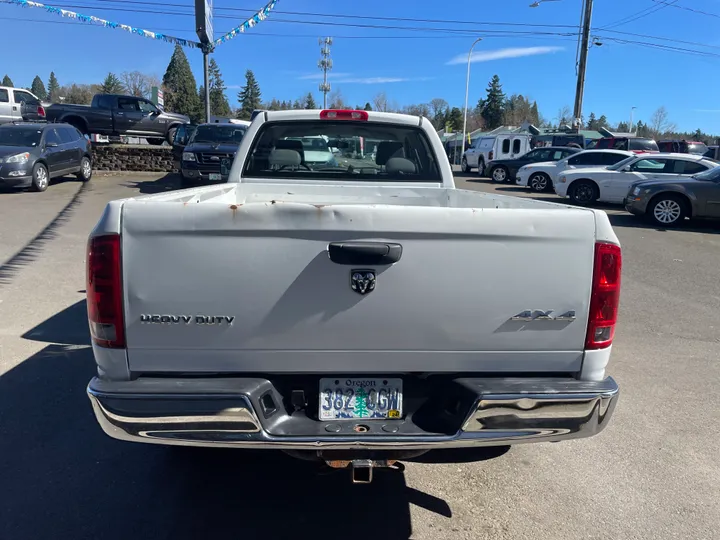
<point>211,287</point>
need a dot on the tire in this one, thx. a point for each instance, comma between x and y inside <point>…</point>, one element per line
<point>583,192</point>
<point>85,173</point>
<point>155,142</point>
<point>40,177</point>
<point>481,168</point>
<point>667,210</point>
<point>539,182</point>
<point>170,137</point>
<point>464,165</point>
<point>499,174</point>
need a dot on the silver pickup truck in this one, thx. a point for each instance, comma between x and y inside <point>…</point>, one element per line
<point>359,311</point>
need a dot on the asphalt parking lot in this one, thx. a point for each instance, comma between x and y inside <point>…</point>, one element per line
<point>652,474</point>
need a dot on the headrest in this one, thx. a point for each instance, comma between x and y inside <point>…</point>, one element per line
<point>400,165</point>
<point>289,144</point>
<point>386,150</point>
<point>284,158</point>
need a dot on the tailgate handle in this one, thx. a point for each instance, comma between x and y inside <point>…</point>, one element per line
<point>364,253</point>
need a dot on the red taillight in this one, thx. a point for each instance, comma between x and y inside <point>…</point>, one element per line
<point>332,114</point>
<point>41,111</point>
<point>490,155</point>
<point>104,291</point>
<point>605,296</point>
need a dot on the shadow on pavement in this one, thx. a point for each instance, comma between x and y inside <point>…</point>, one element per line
<point>169,182</point>
<point>34,248</point>
<point>62,477</point>
<point>695,226</point>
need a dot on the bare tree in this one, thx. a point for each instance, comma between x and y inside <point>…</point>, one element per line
<point>336,100</point>
<point>564,116</point>
<point>438,106</point>
<point>138,84</point>
<point>659,122</point>
<point>380,102</point>
<point>421,109</point>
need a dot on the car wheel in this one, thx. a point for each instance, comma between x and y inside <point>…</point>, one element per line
<point>667,210</point>
<point>481,168</point>
<point>155,142</point>
<point>499,174</point>
<point>539,182</point>
<point>464,166</point>
<point>583,192</point>
<point>85,172</point>
<point>170,138</point>
<point>40,177</point>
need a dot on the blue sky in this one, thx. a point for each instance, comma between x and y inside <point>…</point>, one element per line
<point>652,54</point>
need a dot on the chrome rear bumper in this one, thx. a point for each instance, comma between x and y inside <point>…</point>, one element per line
<point>229,413</point>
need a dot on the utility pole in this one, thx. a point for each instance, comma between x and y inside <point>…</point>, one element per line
<point>325,64</point>
<point>582,63</point>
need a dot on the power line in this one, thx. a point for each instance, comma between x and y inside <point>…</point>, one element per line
<point>685,8</point>
<point>639,15</point>
<point>353,17</point>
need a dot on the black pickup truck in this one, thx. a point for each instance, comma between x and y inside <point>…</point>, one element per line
<point>110,114</point>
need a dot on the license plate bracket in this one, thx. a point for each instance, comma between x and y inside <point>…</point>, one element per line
<point>360,398</point>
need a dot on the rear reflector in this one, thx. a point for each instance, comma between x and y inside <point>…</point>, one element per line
<point>104,291</point>
<point>330,114</point>
<point>605,296</point>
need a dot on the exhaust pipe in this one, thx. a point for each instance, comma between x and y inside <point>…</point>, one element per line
<point>362,471</point>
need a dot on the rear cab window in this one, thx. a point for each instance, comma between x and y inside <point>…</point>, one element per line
<point>4,96</point>
<point>320,150</point>
<point>649,145</point>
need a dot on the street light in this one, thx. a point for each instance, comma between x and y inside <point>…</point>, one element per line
<point>467,90</point>
<point>632,110</point>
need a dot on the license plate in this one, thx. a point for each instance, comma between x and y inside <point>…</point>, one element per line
<point>350,399</point>
<point>215,176</point>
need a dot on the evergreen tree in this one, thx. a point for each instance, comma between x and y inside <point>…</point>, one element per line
<point>249,96</point>
<point>494,104</point>
<point>219,105</point>
<point>111,85</point>
<point>622,127</point>
<point>368,107</point>
<point>7,81</point>
<point>180,87</point>
<point>38,88</point>
<point>592,121</point>
<point>53,89</point>
<point>360,408</point>
<point>535,115</point>
<point>602,122</point>
<point>455,119</point>
<point>310,101</point>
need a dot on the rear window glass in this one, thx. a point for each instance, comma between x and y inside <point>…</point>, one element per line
<point>342,150</point>
<point>643,144</point>
<point>697,148</point>
<point>218,133</point>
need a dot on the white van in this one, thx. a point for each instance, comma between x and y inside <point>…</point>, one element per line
<point>486,149</point>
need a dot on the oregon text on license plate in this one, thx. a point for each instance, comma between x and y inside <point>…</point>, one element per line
<point>347,399</point>
<point>214,176</point>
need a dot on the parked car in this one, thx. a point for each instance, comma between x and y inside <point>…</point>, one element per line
<point>542,176</point>
<point>668,202</point>
<point>683,147</point>
<point>638,145</point>
<point>209,153</point>
<point>559,139</point>
<point>18,105</point>
<point>610,184</point>
<point>484,149</point>
<point>504,170</point>
<point>111,114</point>
<point>288,308</point>
<point>33,154</point>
